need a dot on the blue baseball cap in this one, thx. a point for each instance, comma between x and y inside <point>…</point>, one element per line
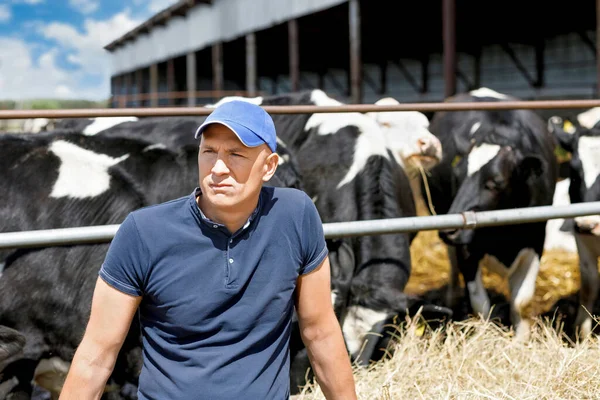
<point>251,123</point>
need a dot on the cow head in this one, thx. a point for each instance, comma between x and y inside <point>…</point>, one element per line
<point>584,145</point>
<point>493,177</point>
<point>407,135</point>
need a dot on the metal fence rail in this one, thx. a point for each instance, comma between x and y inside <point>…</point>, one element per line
<point>301,109</point>
<point>468,220</point>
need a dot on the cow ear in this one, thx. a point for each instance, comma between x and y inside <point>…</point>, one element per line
<point>532,165</point>
<point>565,139</point>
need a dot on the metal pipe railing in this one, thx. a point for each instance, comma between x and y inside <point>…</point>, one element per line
<point>469,220</point>
<point>301,109</point>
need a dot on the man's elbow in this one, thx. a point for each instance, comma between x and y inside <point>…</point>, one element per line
<point>319,330</point>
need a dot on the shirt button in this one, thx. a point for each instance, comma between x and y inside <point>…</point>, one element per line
<point>231,261</point>
<point>230,240</point>
<point>214,226</point>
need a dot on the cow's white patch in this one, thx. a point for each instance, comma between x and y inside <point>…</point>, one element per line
<point>254,100</point>
<point>82,173</point>
<point>153,147</point>
<point>589,153</point>
<point>371,140</point>
<point>474,128</point>
<point>589,118</point>
<point>50,374</point>
<point>487,92</point>
<point>478,296</point>
<point>480,156</point>
<point>407,134</point>
<point>102,123</point>
<point>358,322</point>
<point>334,295</point>
<point>555,238</point>
<point>283,158</point>
<point>524,272</point>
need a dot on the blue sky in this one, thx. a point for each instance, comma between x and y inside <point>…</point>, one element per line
<point>54,48</point>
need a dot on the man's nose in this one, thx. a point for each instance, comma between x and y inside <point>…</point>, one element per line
<point>220,167</point>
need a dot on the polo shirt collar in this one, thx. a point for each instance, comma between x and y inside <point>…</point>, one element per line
<point>215,225</point>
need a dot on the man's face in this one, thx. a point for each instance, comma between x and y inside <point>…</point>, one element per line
<point>230,173</point>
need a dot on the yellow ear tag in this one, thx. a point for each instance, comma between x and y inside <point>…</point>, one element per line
<point>456,160</point>
<point>568,127</point>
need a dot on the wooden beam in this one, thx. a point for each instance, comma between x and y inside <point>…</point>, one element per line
<point>191,78</point>
<point>171,80</point>
<point>449,39</point>
<point>355,53</point>
<point>294,55</point>
<point>154,85</point>
<point>251,64</point>
<point>217,66</point>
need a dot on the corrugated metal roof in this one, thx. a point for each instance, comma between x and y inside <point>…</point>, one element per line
<point>178,9</point>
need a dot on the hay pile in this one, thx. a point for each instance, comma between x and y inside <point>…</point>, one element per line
<point>558,277</point>
<point>477,359</point>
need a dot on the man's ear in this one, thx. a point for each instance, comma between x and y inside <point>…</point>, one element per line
<point>270,167</point>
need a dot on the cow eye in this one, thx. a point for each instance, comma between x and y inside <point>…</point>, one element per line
<point>490,184</point>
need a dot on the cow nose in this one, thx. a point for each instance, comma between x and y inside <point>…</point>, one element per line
<point>428,146</point>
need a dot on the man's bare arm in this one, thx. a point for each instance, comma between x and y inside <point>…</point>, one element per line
<point>322,335</point>
<point>111,315</point>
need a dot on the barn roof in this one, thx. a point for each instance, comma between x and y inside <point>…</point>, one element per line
<point>179,9</point>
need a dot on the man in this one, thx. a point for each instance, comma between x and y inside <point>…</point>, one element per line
<point>215,276</point>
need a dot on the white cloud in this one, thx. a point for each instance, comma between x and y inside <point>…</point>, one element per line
<point>5,14</point>
<point>27,1</point>
<point>20,78</point>
<point>159,5</point>
<point>85,6</point>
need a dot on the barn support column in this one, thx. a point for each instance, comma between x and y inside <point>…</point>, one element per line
<point>113,92</point>
<point>119,90</point>
<point>355,54</point>
<point>170,81</point>
<point>139,84</point>
<point>251,64</point>
<point>294,55</point>
<point>449,39</point>
<point>191,78</point>
<point>128,88</point>
<point>598,47</point>
<point>154,85</point>
<point>217,67</point>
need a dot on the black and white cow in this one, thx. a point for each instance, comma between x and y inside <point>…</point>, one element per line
<point>61,180</point>
<point>583,142</point>
<point>493,160</point>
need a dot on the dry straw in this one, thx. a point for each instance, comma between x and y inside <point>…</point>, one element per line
<point>477,359</point>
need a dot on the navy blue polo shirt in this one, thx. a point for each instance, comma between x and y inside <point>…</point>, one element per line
<point>217,307</point>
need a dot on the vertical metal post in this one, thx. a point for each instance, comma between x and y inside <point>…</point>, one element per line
<point>294,55</point>
<point>170,81</point>
<point>251,64</point>
<point>449,39</point>
<point>154,85</point>
<point>139,83</point>
<point>191,78</point>
<point>127,85</point>
<point>119,90</point>
<point>217,65</point>
<point>355,54</point>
